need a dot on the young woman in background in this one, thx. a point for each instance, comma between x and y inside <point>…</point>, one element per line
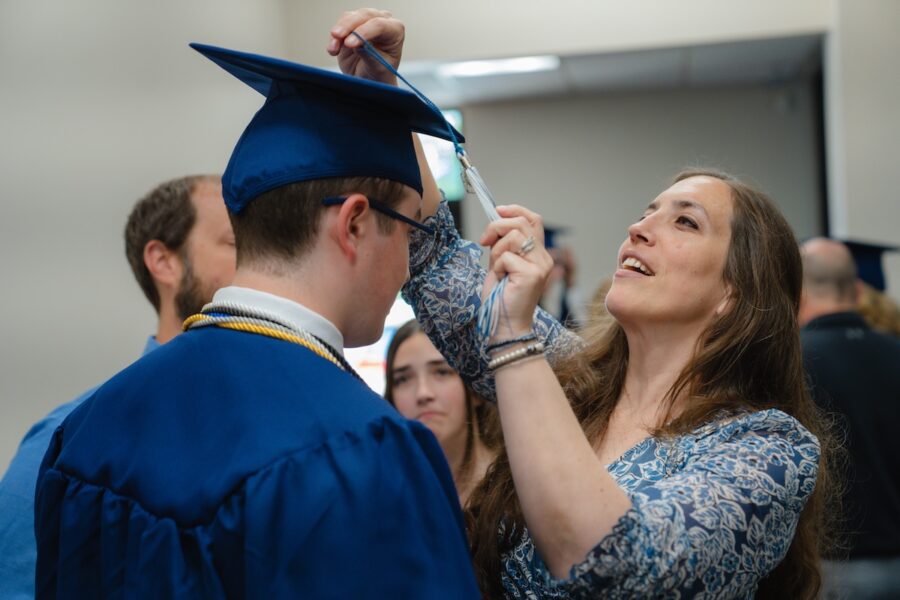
<point>422,386</point>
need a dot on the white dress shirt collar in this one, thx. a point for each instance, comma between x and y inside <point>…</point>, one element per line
<point>285,310</point>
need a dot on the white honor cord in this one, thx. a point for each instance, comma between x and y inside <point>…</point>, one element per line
<point>479,187</point>
<point>487,312</point>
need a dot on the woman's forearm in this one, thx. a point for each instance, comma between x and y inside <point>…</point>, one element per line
<point>431,194</point>
<point>569,500</point>
<point>445,290</point>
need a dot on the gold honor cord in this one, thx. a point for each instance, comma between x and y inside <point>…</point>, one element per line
<point>243,324</point>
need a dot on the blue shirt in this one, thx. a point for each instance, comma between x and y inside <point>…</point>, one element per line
<point>17,546</point>
<point>232,464</point>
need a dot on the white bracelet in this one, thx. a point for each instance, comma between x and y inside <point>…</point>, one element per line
<point>517,354</point>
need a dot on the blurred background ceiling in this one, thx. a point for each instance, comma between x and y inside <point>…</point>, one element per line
<point>754,62</point>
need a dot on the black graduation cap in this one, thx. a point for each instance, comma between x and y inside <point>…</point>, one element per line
<point>318,124</point>
<point>867,256</point>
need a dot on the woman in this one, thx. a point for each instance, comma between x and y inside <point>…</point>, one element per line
<point>675,453</point>
<point>680,458</point>
<point>422,386</point>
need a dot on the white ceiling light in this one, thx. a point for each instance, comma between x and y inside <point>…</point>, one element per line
<point>505,66</point>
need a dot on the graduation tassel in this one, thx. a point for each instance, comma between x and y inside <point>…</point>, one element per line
<point>490,309</point>
<point>477,185</point>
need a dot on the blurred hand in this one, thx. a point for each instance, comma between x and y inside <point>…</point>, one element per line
<point>381,30</point>
<point>527,273</point>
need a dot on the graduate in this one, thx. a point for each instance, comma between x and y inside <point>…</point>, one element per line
<point>246,458</point>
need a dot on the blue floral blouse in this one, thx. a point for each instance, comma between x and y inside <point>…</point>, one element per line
<point>713,511</point>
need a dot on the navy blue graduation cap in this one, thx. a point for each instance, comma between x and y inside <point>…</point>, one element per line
<point>317,124</point>
<point>550,233</point>
<point>868,261</point>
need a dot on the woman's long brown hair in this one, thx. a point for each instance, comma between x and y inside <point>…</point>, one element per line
<point>749,359</point>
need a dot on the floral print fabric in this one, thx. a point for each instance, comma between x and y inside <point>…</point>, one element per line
<point>444,290</point>
<point>712,513</point>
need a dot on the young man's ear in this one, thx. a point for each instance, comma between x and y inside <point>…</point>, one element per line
<point>351,224</point>
<point>164,264</point>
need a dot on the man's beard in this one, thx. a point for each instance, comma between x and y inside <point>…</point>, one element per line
<point>190,298</point>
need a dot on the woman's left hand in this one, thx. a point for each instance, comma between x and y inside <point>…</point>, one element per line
<point>528,269</point>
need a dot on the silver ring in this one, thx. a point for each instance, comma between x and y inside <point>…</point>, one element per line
<point>527,246</point>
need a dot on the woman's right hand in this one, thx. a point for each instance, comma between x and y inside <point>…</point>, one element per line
<point>380,29</point>
<point>527,271</point>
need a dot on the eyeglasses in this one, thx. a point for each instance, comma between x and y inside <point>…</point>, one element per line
<point>383,209</point>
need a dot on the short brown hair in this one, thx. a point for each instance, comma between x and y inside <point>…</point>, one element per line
<point>165,214</point>
<point>283,223</point>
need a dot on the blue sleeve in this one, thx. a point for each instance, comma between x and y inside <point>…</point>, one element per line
<point>18,551</point>
<point>445,292</point>
<point>371,515</point>
<point>716,527</point>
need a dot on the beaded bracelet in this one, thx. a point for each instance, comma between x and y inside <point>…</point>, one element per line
<point>516,355</point>
<point>522,338</point>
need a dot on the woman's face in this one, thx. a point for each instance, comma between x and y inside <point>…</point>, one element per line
<point>425,388</point>
<point>670,266</point>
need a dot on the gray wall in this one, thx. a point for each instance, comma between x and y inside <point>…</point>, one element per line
<point>473,29</point>
<point>99,101</point>
<point>863,125</point>
<point>595,162</point>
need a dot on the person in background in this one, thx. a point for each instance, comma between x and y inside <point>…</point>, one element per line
<point>855,372</point>
<point>876,307</point>
<point>180,246</point>
<point>676,453</point>
<point>246,458</point>
<point>562,297</point>
<point>879,310</point>
<point>422,386</point>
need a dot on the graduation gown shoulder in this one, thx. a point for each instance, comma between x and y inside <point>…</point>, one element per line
<point>228,464</point>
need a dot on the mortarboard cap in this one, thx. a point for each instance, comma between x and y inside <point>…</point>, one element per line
<point>551,233</point>
<point>868,261</point>
<point>317,124</point>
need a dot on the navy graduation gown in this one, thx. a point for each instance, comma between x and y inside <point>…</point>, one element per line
<point>233,465</point>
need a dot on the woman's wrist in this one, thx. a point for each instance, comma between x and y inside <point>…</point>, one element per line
<point>499,345</point>
<point>515,353</point>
